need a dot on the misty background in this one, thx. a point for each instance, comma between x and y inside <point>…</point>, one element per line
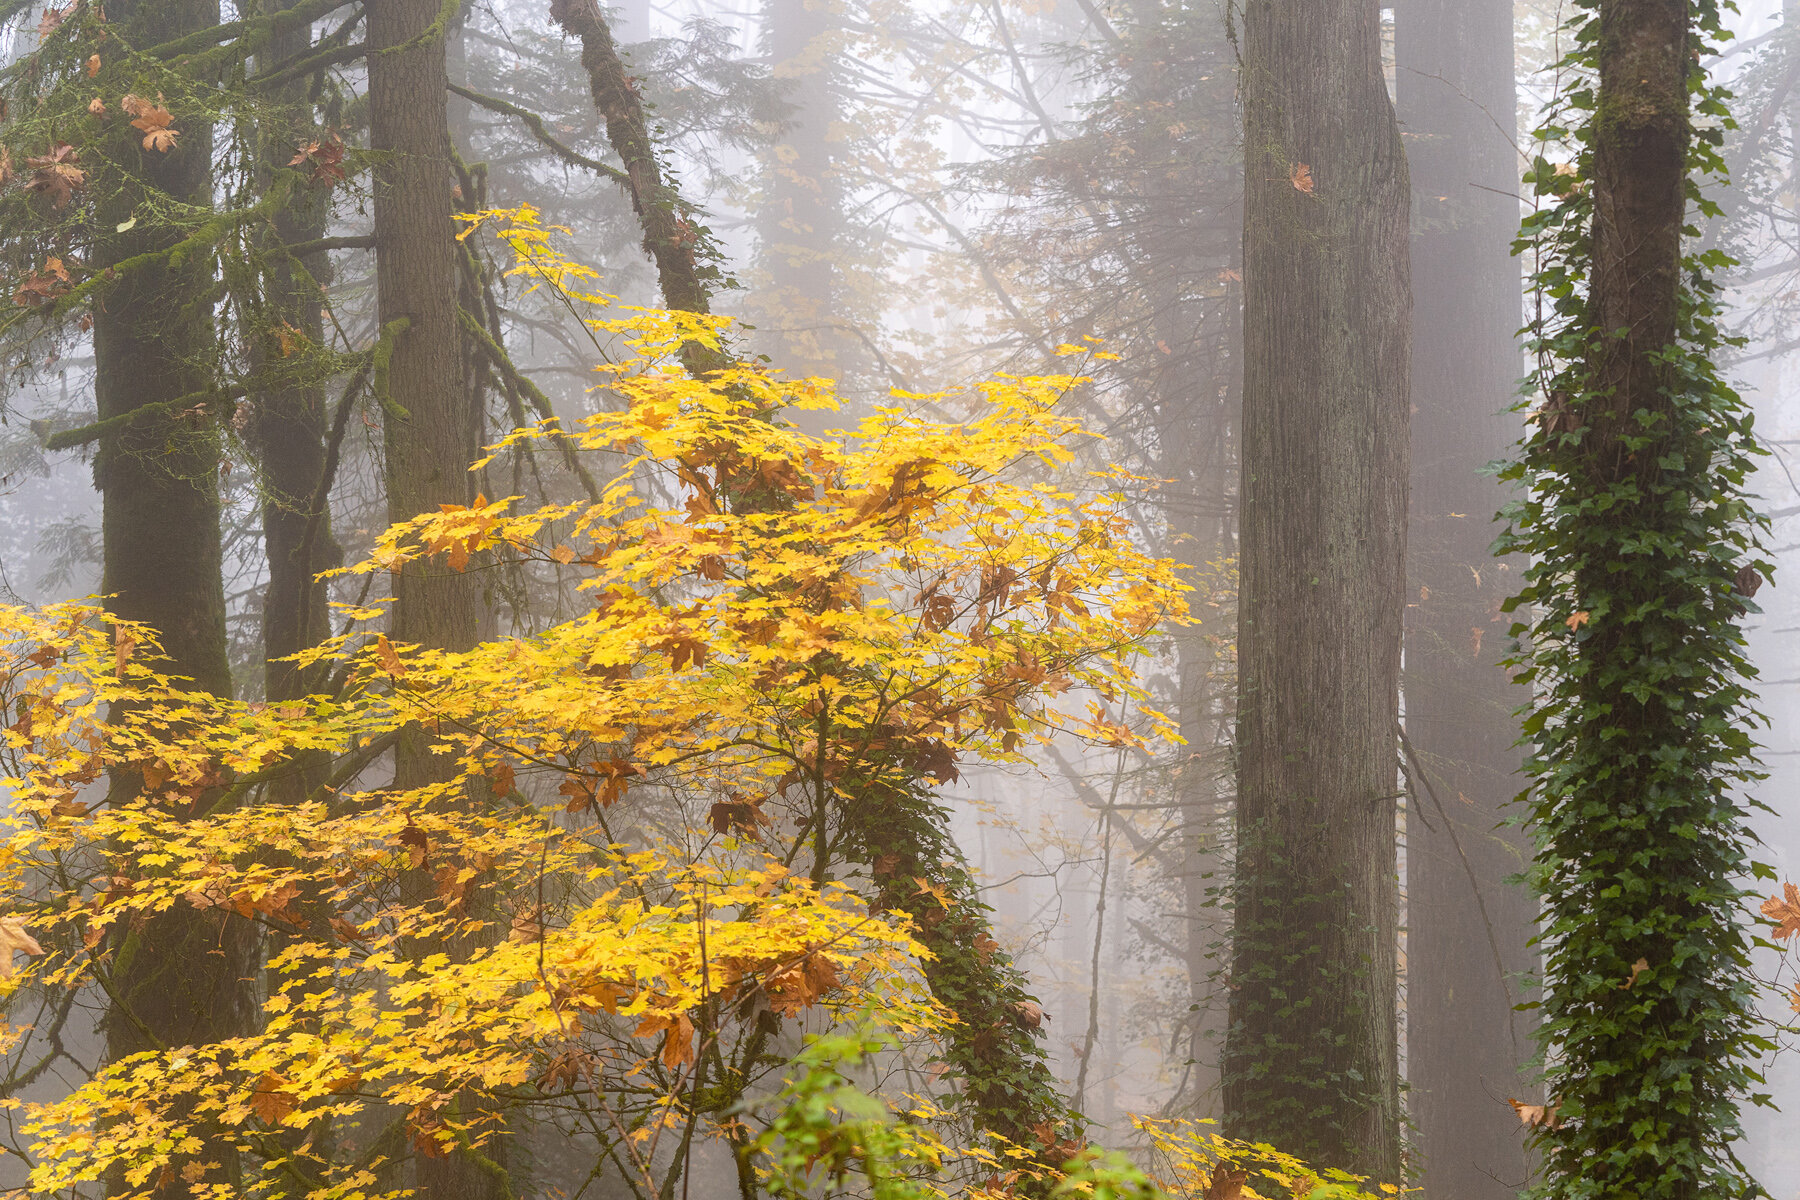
<point>914,195</point>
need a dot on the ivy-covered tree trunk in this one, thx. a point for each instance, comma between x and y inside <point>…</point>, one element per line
<point>903,835</point>
<point>1643,559</point>
<point>1311,1053</point>
<point>429,430</point>
<point>183,977</point>
<point>1468,929</point>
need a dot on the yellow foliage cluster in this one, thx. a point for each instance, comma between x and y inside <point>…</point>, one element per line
<point>624,876</point>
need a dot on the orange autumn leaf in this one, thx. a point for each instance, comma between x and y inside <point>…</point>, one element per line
<point>13,938</point>
<point>678,1039</point>
<point>1302,178</point>
<point>1784,910</point>
<point>124,645</point>
<point>153,120</point>
<point>272,1100</point>
<point>1227,1182</point>
<point>387,656</point>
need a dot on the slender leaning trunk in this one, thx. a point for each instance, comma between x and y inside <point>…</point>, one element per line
<point>1311,1053</point>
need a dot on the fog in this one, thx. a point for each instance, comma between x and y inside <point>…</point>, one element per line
<point>911,197</point>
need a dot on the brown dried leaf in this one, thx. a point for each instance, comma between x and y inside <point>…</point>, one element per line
<point>1784,910</point>
<point>1535,1115</point>
<point>13,938</point>
<point>154,120</point>
<point>1227,1182</point>
<point>56,174</point>
<point>272,1101</point>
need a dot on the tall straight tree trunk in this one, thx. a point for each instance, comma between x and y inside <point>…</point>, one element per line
<point>1644,554</point>
<point>805,307</point>
<point>1311,1053</point>
<point>429,430</point>
<point>1468,929</point>
<point>290,416</point>
<point>181,978</point>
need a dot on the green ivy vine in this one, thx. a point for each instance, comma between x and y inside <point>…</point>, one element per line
<point>1639,725</point>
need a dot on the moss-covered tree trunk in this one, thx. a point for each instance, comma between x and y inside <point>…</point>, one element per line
<point>1468,929</point>
<point>181,978</point>
<point>1311,1057</point>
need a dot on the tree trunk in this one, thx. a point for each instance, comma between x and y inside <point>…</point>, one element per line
<point>1467,927</point>
<point>804,306</point>
<point>180,979</point>
<point>289,420</point>
<point>429,433</point>
<point>429,429</point>
<point>900,832</point>
<point>1311,1055</point>
<point>669,235</point>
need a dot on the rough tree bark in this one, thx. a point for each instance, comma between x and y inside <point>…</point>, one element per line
<point>1311,1054</point>
<point>1467,929</point>
<point>1640,200</point>
<point>429,430</point>
<point>289,419</point>
<point>182,978</point>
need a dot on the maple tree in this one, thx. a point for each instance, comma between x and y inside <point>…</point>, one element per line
<point>677,856</point>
